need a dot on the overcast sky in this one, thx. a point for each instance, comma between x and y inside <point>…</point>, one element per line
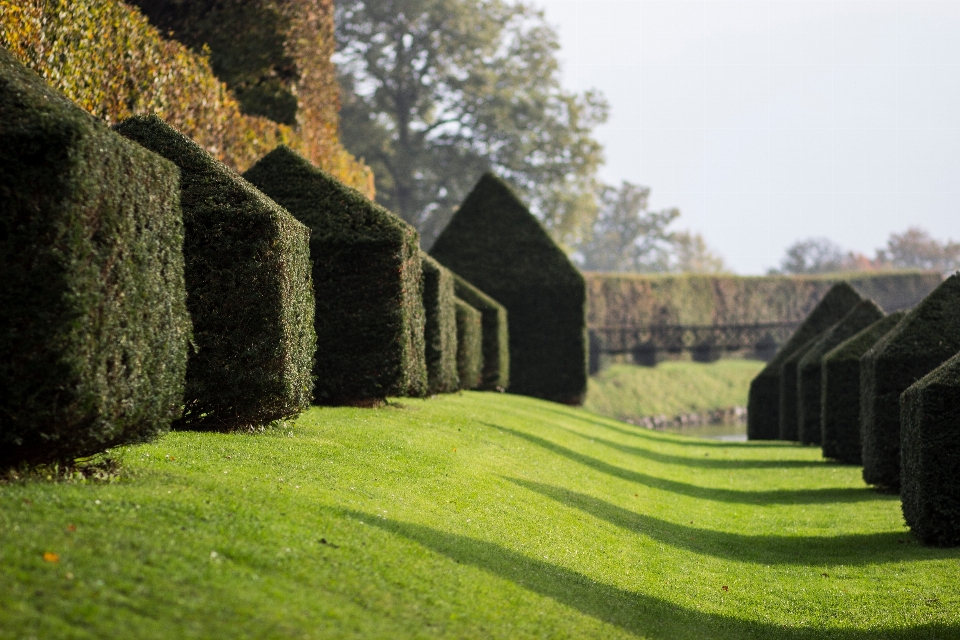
<point>768,121</point>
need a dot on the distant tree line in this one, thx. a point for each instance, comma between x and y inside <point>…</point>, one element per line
<point>915,248</point>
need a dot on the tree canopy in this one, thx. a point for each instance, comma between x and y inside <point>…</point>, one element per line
<point>435,92</point>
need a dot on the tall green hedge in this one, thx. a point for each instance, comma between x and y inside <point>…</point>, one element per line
<point>440,327</point>
<point>763,404</point>
<point>93,319</point>
<point>789,381</point>
<point>367,276</point>
<point>247,268</point>
<point>930,455</point>
<point>810,368</point>
<point>840,392</point>
<point>924,339</point>
<point>469,345</point>
<point>496,244</point>
<point>496,335</point>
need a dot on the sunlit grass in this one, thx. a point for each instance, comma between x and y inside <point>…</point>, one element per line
<point>469,516</point>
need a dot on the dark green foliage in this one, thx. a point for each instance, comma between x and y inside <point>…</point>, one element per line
<point>469,345</point>
<point>496,244</point>
<point>247,268</point>
<point>93,319</point>
<point>496,335</point>
<point>840,392</point>
<point>440,327</point>
<point>763,405</point>
<point>809,369</point>
<point>924,339</point>
<point>930,455</point>
<point>367,276</point>
<point>789,378</point>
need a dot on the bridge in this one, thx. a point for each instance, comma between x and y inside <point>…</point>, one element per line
<point>705,342</point>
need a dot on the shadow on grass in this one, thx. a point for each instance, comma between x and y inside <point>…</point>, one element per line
<point>703,462</point>
<point>631,611</point>
<point>640,432</point>
<point>773,496</point>
<point>853,549</point>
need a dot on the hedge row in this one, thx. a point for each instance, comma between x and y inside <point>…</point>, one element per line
<point>495,243</point>
<point>495,355</point>
<point>930,455</point>
<point>810,370</point>
<point>924,339</point>
<point>763,408</point>
<point>367,280</point>
<point>247,270</point>
<point>840,392</point>
<point>469,345</point>
<point>440,327</point>
<point>93,317</point>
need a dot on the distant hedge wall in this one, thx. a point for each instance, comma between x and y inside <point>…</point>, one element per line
<point>763,404</point>
<point>930,453</point>
<point>810,371</point>
<point>495,358</point>
<point>367,276</point>
<point>440,327</point>
<point>247,269</point>
<point>642,300</point>
<point>93,318</point>
<point>495,243</point>
<point>922,341</point>
<point>107,57</point>
<point>840,392</point>
<point>469,345</point>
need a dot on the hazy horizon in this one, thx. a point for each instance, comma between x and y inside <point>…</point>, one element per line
<point>766,122</point>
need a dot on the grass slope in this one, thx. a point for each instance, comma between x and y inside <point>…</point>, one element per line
<point>670,388</point>
<point>467,516</point>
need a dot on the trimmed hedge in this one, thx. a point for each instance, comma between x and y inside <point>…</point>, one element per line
<point>496,244</point>
<point>930,455</point>
<point>789,381</point>
<point>922,341</point>
<point>469,345</point>
<point>763,404</point>
<point>247,268</point>
<point>93,319</point>
<point>496,335</point>
<point>840,392</point>
<point>367,276</point>
<point>809,369</point>
<point>440,327</point>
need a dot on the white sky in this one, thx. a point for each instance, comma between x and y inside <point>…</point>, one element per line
<point>768,121</point>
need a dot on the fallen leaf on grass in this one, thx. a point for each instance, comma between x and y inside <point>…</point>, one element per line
<point>825,575</point>
<point>49,556</point>
<point>71,528</point>
<point>725,588</point>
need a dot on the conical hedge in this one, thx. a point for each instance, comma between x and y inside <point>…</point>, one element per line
<point>840,392</point>
<point>495,243</point>
<point>495,358</point>
<point>930,455</point>
<point>810,371</point>
<point>247,269</point>
<point>93,318</point>
<point>922,341</point>
<point>763,405</point>
<point>469,345</point>
<point>440,328</point>
<point>367,276</point>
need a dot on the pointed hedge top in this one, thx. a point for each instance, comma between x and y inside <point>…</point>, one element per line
<point>493,228</point>
<point>855,347</point>
<point>862,316</point>
<point>320,201</point>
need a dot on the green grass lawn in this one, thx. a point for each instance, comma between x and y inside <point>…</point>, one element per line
<point>670,388</point>
<point>467,516</point>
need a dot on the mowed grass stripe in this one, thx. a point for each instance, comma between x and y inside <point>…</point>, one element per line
<point>468,516</point>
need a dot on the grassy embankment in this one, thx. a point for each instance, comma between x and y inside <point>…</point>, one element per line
<point>467,516</point>
<point>670,388</point>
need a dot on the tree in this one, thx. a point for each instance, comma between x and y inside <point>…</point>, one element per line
<point>915,249</point>
<point>435,92</point>
<point>690,254</point>
<point>625,236</point>
<point>813,255</point>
